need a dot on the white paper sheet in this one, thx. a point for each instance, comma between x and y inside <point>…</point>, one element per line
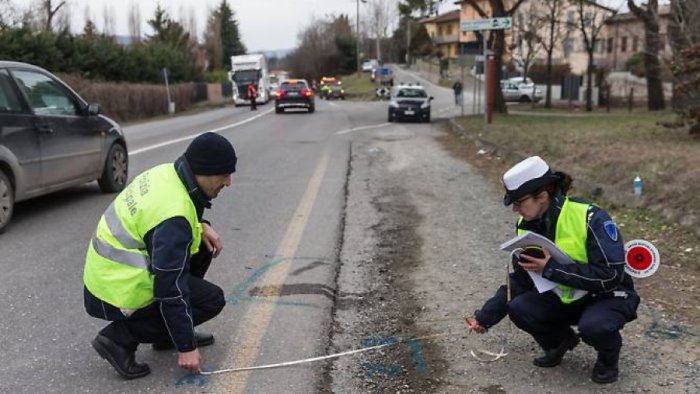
<point>530,239</point>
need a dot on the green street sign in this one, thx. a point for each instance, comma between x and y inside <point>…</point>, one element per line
<point>487,24</point>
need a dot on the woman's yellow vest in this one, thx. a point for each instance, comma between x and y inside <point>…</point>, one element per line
<point>571,236</point>
<point>117,265</point>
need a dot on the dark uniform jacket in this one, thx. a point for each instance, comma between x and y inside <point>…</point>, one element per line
<point>603,276</point>
<point>168,248</point>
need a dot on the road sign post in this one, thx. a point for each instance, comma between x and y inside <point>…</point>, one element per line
<point>485,25</point>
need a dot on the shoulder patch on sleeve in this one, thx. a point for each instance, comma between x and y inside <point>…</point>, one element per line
<point>611,230</point>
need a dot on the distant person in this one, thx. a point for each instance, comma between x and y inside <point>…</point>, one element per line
<point>252,96</point>
<point>458,89</point>
<point>594,293</point>
<point>145,265</point>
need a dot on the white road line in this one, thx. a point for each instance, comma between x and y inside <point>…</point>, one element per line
<point>191,137</point>
<point>362,128</point>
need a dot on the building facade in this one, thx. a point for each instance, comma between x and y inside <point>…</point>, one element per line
<point>625,35</point>
<point>444,33</point>
<point>530,25</point>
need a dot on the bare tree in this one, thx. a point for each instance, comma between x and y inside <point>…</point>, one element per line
<point>212,41</point>
<point>8,14</point>
<point>50,9</point>
<point>591,19</point>
<point>191,24</point>
<point>549,13</point>
<point>63,19</point>
<point>108,18</point>
<point>381,14</point>
<point>684,34</point>
<point>527,42</point>
<point>649,15</point>
<point>498,41</point>
<point>134,18</point>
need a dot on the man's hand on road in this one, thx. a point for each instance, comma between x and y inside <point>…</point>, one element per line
<point>190,361</point>
<point>211,239</point>
<point>474,325</point>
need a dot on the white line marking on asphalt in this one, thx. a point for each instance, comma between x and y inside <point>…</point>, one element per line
<point>362,128</point>
<point>191,137</point>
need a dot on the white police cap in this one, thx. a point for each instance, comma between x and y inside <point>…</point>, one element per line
<point>526,177</point>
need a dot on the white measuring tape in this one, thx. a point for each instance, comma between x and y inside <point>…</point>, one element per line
<point>496,356</point>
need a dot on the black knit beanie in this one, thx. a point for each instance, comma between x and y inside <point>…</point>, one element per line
<point>211,154</point>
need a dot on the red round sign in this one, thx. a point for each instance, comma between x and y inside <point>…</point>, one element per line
<point>641,258</point>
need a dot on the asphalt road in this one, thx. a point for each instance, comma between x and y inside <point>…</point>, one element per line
<point>281,221</point>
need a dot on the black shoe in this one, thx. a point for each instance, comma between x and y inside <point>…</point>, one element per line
<point>552,357</point>
<point>202,338</point>
<point>606,367</point>
<point>121,358</point>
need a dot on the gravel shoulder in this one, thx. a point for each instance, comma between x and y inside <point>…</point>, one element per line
<point>420,250</point>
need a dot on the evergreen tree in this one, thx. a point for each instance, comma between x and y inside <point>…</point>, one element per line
<point>231,44</point>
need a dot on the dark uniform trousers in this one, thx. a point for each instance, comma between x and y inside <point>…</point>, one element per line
<point>599,318</point>
<point>146,325</point>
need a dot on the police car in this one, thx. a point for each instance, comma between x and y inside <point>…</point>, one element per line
<point>409,101</point>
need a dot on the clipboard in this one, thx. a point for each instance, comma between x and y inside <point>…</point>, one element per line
<point>533,239</point>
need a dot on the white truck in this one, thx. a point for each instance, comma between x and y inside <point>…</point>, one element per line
<point>246,69</point>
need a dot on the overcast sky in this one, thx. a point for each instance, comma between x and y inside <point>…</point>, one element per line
<point>264,24</point>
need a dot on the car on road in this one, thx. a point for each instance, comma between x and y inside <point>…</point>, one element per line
<point>409,101</point>
<point>521,80</point>
<point>522,92</point>
<point>331,88</point>
<point>294,93</point>
<point>51,139</point>
<point>369,65</point>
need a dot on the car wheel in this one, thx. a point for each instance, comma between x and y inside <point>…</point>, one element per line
<point>312,109</point>
<point>390,118</point>
<point>115,171</point>
<point>279,110</point>
<point>524,99</point>
<point>7,201</point>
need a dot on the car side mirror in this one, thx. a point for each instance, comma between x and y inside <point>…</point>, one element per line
<point>93,109</point>
<point>431,98</point>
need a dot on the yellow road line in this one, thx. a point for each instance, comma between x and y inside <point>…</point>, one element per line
<point>254,324</point>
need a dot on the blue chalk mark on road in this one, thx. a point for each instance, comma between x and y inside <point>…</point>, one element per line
<point>239,293</point>
<point>417,354</point>
<point>393,370</point>
<point>191,380</point>
<point>658,331</point>
<point>378,369</point>
<point>377,341</point>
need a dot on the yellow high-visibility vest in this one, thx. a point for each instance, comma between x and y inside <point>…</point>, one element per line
<point>117,265</point>
<point>571,236</point>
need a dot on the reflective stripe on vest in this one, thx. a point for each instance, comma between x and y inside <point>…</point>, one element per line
<point>136,260</point>
<point>571,236</point>
<point>117,265</point>
<point>118,230</point>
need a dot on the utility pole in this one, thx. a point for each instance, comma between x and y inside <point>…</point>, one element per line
<point>357,41</point>
<point>408,41</point>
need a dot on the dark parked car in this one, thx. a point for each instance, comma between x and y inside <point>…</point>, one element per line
<point>294,93</point>
<point>51,139</point>
<point>409,102</point>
